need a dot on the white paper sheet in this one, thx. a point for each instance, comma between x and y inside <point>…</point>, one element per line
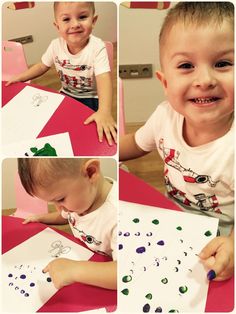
<point>25,115</point>
<point>158,266</point>
<point>60,142</point>
<point>24,287</point>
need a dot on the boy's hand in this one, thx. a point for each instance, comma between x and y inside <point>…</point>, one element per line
<point>14,79</point>
<point>33,218</point>
<point>61,271</point>
<point>105,124</point>
<point>218,256</point>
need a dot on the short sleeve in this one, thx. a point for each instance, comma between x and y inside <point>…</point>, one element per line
<point>47,57</point>
<point>101,62</point>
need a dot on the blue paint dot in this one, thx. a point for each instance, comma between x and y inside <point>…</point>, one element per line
<point>120,246</point>
<point>22,277</point>
<point>161,242</point>
<point>10,275</point>
<point>32,284</point>
<point>140,250</point>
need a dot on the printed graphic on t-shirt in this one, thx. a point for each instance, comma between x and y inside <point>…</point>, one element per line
<point>67,65</point>
<point>202,201</point>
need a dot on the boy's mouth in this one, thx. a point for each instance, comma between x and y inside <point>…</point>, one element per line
<point>204,100</point>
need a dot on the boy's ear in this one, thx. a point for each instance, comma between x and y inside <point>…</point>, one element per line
<point>91,169</point>
<point>95,18</point>
<point>56,25</point>
<point>161,77</point>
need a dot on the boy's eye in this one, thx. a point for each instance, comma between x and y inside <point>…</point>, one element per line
<point>66,19</point>
<point>222,64</point>
<point>185,65</point>
<point>61,200</point>
<point>83,17</point>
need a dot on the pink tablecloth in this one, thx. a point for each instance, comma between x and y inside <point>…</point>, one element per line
<point>220,294</point>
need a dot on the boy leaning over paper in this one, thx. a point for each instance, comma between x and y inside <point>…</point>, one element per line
<point>81,62</point>
<point>85,199</point>
<point>193,130</point>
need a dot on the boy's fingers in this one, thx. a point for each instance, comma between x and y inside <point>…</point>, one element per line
<point>45,270</point>
<point>211,248</point>
<point>100,133</point>
<point>88,120</point>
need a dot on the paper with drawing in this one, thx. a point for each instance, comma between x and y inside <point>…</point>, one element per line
<point>25,115</point>
<point>24,287</point>
<point>159,268</point>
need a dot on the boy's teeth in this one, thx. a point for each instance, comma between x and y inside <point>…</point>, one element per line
<point>203,100</point>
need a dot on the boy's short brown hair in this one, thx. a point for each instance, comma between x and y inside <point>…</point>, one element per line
<point>42,172</point>
<point>196,13</point>
<point>57,3</point>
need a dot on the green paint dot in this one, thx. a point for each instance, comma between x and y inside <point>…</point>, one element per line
<point>179,228</point>
<point>164,280</point>
<point>155,222</point>
<point>127,278</point>
<point>136,220</point>
<point>125,291</point>
<point>148,296</point>
<point>173,311</point>
<point>208,233</point>
<point>183,289</point>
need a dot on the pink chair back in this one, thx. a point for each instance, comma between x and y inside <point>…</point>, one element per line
<point>13,59</point>
<point>27,205</point>
<point>121,108</point>
<point>109,47</point>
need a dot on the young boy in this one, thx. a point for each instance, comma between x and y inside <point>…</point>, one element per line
<point>85,199</point>
<point>81,62</point>
<point>193,129</point>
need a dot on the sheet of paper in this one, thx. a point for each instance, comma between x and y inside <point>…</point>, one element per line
<point>25,115</point>
<point>158,265</point>
<point>52,145</point>
<point>24,287</point>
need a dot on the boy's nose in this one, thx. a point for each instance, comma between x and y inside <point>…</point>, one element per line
<point>75,23</point>
<point>205,79</point>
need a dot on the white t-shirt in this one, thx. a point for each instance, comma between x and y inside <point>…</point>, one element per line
<point>200,178</point>
<point>77,72</point>
<point>98,229</point>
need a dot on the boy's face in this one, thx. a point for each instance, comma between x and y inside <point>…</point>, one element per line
<point>71,194</point>
<point>74,22</point>
<point>198,72</point>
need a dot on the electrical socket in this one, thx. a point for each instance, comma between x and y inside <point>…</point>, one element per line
<point>131,71</point>
<point>23,40</point>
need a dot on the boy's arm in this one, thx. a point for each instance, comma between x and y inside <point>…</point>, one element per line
<point>33,72</point>
<point>128,149</point>
<point>103,117</point>
<point>65,271</point>
<point>54,218</point>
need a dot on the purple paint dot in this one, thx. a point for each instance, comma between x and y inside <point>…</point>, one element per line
<point>140,250</point>
<point>22,291</point>
<point>49,279</point>
<point>137,233</point>
<point>149,234</point>
<point>32,284</point>
<point>10,275</point>
<point>161,242</point>
<point>11,284</point>
<point>26,294</point>
<point>22,277</point>
<point>16,288</point>
<point>120,246</point>
<point>120,233</point>
<point>126,234</point>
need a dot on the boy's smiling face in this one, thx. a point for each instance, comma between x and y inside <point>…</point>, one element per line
<point>198,72</point>
<point>75,22</point>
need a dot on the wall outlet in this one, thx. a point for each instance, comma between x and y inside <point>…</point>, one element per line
<point>24,40</point>
<point>130,71</point>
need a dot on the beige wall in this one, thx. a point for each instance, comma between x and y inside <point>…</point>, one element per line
<point>9,168</point>
<point>39,23</point>
<point>138,41</point>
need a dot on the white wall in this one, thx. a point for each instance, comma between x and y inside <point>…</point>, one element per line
<point>138,43</point>
<point>38,22</point>
<point>9,169</point>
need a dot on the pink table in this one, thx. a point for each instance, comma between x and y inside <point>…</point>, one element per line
<point>220,294</point>
<point>69,117</point>
<point>74,298</point>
